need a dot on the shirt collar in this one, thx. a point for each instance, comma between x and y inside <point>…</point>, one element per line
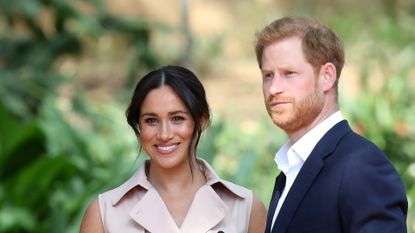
<point>140,179</point>
<point>306,143</point>
<point>303,147</point>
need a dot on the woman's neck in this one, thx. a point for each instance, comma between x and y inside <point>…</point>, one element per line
<point>176,180</point>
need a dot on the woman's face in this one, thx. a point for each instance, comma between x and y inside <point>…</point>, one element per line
<point>166,128</point>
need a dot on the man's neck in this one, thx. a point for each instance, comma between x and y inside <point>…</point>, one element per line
<point>295,136</point>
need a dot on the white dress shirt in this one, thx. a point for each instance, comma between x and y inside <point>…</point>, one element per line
<point>290,158</point>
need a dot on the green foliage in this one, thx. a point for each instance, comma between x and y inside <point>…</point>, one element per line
<point>57,152</point>
<point>30,52</point>
<point>50,169</point>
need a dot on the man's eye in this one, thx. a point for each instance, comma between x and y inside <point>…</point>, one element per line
<point>289,73</point>
<point>268,75</point>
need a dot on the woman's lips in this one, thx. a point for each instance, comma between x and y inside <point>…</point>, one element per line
<point>165,149</point>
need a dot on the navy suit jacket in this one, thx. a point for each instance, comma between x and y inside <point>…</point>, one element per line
<point>346,185</point>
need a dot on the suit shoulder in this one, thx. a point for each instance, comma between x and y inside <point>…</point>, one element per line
<point>357,144</point>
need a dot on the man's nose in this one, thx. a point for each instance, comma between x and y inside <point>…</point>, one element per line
<point>275,85</point>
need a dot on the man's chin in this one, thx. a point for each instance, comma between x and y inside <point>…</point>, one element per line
<point>280,123</point>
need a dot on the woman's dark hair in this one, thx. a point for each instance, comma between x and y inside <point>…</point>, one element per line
<point>189,89</point>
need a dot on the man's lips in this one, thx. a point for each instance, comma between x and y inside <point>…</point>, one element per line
<point>278,103</point>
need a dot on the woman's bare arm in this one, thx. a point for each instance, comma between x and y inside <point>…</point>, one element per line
<point>91,222</point>
<point>258,217</point>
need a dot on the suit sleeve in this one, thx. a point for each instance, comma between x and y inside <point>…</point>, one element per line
<point>372,196</point>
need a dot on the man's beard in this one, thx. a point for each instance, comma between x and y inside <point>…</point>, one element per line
<point>300,114</point>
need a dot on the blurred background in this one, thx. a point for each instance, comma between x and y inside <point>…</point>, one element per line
<point>68,69</point>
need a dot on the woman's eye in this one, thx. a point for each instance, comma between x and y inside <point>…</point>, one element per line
<point>177,118</point>
<point>150,120</point>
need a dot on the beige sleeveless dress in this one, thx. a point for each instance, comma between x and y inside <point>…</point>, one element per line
<point>136,207</point>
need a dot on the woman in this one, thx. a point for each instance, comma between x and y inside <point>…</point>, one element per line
<point>173,191</point>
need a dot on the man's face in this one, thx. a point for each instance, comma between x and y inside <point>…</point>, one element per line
<point>292,93</point>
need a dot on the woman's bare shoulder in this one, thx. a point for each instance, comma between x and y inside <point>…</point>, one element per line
<point>258,216</point>
<point>91,221</point>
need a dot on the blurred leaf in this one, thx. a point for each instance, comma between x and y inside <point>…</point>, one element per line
<point>16,140</point>
<point>15,218</point>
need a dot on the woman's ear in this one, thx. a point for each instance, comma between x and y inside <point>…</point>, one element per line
<point>328,76</point>
<point>204,122</point>
<point>138,133</point>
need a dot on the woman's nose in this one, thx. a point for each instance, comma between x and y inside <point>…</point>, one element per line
<point>165,132</point>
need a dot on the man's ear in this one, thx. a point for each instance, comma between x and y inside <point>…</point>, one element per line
<point>328,76</point>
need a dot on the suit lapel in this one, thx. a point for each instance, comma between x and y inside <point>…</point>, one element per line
<point>302,183</point>
<point>308,173</point>
<point>276,194</point>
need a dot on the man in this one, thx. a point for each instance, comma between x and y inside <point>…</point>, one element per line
<point>332,179</point>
